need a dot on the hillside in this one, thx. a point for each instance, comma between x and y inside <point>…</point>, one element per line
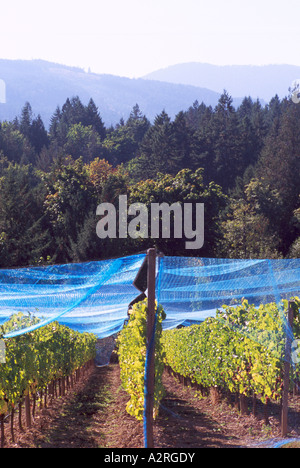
<point>46,85</point>
<point>241,162</point>
<point>239,80</point>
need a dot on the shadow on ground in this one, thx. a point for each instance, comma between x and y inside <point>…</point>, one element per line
<point>75,426</point>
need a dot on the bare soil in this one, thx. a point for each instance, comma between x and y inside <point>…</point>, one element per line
<point>93,415</point>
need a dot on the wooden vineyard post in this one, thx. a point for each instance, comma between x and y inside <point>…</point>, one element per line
<point>150,377</point>
<point>27,410</point>
<point>286,376</point>
<point>2,436</point>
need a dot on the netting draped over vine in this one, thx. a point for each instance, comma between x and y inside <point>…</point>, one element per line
<point>94,296</point>
<point>88,297</point>
<point>191,289</point>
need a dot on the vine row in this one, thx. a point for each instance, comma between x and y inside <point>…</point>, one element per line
<point>240,350</point>
<point>131,346</point>
<point>38,362</point>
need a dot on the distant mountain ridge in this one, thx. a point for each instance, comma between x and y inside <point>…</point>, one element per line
<point>262,82</point>
<point>47,85</point>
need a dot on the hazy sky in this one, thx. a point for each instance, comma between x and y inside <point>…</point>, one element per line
<point>134,37</point>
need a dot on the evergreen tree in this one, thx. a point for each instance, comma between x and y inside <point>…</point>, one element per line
<point>137,125</point>
<point>185,143</point>
<point>195,115</point>
<point>55,125</point>
<point>158,152</point>
<point>26,120</point>
<point>92,117</point>
<point>225,143</point>
<point>38,136</point>
<point>279,166</point>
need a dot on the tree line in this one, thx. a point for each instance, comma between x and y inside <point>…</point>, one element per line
<point>243,164</point>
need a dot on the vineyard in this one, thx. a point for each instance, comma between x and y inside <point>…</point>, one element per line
<point>237,354</point>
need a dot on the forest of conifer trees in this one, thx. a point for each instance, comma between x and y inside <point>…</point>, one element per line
<point>243,164</point>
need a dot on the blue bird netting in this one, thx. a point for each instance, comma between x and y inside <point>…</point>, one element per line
<point>191,289</point>
<point>94,296</point>
<point>89,297</point>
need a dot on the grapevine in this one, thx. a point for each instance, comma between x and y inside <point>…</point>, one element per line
<point>35,360</point>
<point>240,350</point>
<point>132,356</point>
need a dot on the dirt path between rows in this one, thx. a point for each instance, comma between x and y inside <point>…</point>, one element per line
<point>94,416</point>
